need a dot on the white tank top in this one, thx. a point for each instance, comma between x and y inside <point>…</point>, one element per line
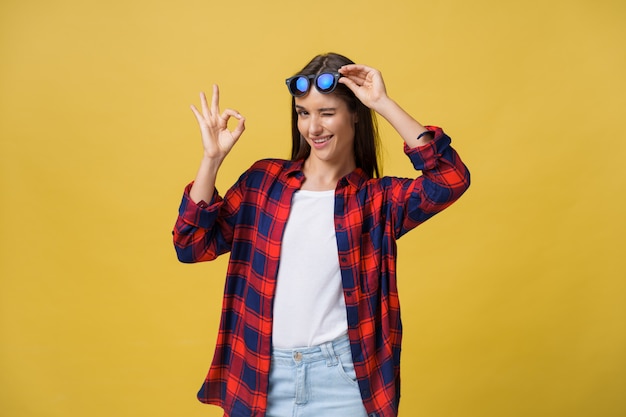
<point>309,308</point>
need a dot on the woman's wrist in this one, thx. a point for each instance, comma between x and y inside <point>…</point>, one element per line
<point>385,107</point>
<point>213,162</point>
<point>403,123</point>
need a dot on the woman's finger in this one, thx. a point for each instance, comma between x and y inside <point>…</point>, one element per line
<point>205,105</point>
<point>360,74</point>
<point>241,126</point>
<point>228,113</point>
<point>215,100</point>
<point>348,82</point>
<point>195,110</point>
<point>197,113</point>
<point>357,78</point>
<point>355,70</point>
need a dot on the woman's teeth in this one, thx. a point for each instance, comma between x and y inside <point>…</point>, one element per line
<point>321,140</point>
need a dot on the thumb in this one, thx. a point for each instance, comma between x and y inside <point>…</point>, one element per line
<point>241,126</point>
<point>348,83</point>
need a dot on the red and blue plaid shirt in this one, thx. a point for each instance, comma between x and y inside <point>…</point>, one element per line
<point>370,215</point>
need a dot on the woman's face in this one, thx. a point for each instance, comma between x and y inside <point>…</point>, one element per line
<point>327,125</point>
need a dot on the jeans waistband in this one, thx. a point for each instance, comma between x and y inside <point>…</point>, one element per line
<point>328,351</point>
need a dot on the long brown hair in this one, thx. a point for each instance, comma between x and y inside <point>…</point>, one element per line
<point>366,139</point>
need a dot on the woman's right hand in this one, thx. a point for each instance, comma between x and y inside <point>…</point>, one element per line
<point>217,139</point>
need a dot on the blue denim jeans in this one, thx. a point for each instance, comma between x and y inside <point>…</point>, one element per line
<point>314,382</point>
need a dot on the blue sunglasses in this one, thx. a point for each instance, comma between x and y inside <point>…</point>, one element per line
<point>300,84</point>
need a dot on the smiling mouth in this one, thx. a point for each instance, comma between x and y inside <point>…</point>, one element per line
<point>319,141</point>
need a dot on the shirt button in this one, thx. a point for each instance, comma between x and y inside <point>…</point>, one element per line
<point>344,259</point>
<point>340,226</point>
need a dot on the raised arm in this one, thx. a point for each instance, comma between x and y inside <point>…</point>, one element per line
<point>444,176</point>
<point>217,141</point>
<point>368,85</point>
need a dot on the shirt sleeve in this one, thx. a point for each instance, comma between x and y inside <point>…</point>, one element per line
<point>204,231</point>
<point>444,179</point>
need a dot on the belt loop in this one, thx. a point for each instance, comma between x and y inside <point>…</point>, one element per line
<point>329,353</point>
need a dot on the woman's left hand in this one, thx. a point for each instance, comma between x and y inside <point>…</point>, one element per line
<point>366,83</point>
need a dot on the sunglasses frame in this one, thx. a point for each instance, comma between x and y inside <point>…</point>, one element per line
<point>289,81</point>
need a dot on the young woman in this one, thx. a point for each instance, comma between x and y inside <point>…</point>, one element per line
<point>310,320</point>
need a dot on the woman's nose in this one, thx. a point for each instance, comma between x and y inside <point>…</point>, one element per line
<point>315,126</point>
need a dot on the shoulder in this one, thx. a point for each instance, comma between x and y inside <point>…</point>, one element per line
<point>273,167</point>
<point>269,164</point>
<point>266,169</point>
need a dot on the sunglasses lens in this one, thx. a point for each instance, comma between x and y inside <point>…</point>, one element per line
<point>299,86</point>
<point>325,82</point>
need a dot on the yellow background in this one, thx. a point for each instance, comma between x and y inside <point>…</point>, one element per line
<point>514,299</point>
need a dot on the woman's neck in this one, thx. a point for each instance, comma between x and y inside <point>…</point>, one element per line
<point>320,176</point>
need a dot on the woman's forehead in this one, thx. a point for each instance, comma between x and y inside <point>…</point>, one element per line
<point>315,100</point>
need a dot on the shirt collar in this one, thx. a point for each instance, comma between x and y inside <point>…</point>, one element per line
<point>294,167</point>
<point>355,179</point>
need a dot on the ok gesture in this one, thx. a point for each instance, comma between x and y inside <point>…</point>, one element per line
<point>217,139</point>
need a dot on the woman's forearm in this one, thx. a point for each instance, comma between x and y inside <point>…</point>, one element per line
<point>204,184</point>
<point>406,126</point>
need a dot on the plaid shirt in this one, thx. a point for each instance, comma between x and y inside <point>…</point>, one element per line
<point>370,214</point>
